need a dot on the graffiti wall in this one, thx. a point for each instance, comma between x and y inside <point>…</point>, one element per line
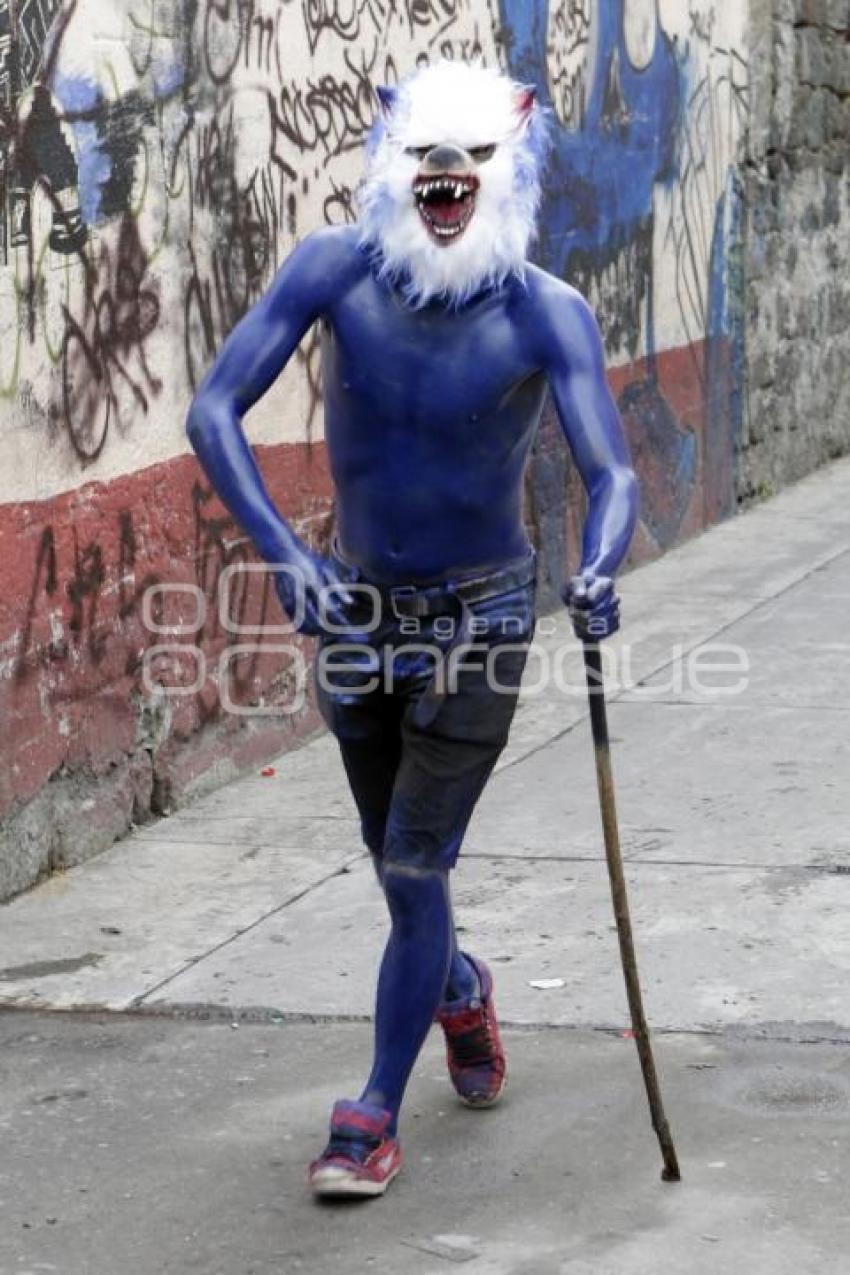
<point>641,215</point>
<point>158,159</point>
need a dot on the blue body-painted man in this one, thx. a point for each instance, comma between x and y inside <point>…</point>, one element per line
<point>439,342</point>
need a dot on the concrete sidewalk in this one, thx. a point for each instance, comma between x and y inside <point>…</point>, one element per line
<point>257,905</point>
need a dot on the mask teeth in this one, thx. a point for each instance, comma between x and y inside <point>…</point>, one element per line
<point>449,232</point>
<point>444,185</point>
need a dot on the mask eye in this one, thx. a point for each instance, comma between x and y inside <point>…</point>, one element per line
<point>482,153</point>
<point>418,152</point>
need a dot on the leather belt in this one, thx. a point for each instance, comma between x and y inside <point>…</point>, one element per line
<point>412,601</point>
<point>420,601</point>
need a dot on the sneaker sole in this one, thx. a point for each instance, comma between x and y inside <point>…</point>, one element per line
<point>339,1184</point>
<point>480,1104</point>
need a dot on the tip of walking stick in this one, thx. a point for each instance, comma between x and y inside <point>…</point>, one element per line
<point>671,1175</point>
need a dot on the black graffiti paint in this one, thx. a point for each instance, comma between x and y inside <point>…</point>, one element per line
<point>45,583</point>
<point>566,55</point>
<point>131,589</point>
<point>355,20</point>
<point>34,149</point>
<point>330,116</point>
<point>120,128</point>
<point>217,546</point>
<point>104,366</point>
<point>619,282</point>
<point>337,19</point>
<point>83,591</point>
<point>339,207</point>
<point>236,34</point>
<point>238,262</point>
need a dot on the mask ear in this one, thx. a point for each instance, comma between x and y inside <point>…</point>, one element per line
<point>526,100</point>
<point>387,97</point>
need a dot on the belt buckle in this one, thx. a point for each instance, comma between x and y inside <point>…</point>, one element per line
<point>402,591</point>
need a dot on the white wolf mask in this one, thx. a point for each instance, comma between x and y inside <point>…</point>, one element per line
<point>452,183</point>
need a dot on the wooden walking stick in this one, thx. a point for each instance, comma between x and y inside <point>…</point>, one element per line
<point>607,805</point>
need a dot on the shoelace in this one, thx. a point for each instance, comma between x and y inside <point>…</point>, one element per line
<point>358,1149</point>
<point>475,1046</point>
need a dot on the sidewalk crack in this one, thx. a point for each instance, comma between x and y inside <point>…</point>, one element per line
<point>138,1001</point>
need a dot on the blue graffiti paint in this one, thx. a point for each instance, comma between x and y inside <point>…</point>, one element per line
<point>603,173</point>
<point>722,316</point>
<point>724,368</point>
<point>107,133</point>
<point>169,77</point>
<point>598,212</point>
<point>79,99</point>
<point>736,327</point>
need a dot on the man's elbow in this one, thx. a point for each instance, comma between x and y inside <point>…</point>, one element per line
<point>616,496</point>
<point>627,496</point>
<point>628,490</point>
<point>205,418</point>
<point>617,484</point>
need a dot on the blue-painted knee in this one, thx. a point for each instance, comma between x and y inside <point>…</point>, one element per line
<point>415,895</point>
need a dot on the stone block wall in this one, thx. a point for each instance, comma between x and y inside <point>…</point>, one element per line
<point>796,249</point>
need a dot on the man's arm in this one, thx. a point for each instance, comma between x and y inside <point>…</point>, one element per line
<point>575,364</point>
<point>251,359</point>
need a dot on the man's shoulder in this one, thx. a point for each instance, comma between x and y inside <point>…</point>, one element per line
<point>561,317</point>
<point>326,262</point>
<point>341,242</point>
<point>547,293</point>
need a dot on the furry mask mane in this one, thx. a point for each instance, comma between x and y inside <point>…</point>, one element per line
<point>451,190</point>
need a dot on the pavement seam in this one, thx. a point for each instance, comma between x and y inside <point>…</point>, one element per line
<point>820,869</point>
<point>262,1016</point>
<point>191,814</point>
<point>211,841</point>
<point>137,1001</point>
<point>786,705</point>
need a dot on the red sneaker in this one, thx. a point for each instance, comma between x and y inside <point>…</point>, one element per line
<point>360,1159</point>
<point>474,1050</point>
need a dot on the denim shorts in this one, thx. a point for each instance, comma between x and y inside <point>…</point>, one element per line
<point>416,776</point>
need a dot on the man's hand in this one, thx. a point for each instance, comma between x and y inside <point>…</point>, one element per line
<point>310,591</point>
<point>593,605</point>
